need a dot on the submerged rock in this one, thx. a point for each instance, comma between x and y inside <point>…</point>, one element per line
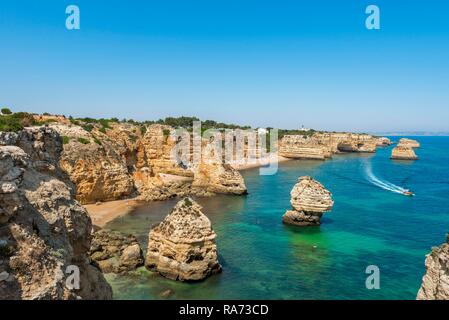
<point>435,283</point>
<point>401,152</point>
<point>43,229</point>
<point>114,252</point>
<point>309,200</point>
<point>182,247</point>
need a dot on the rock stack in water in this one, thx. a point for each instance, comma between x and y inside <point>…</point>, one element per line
<point>435,283</point>
<point>404,150</point>
<point>309,200</point>
<point>182,247</point>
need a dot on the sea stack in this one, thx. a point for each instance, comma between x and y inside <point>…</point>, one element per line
<point>182,247</point>
<point>409,143</point>
<point>309,200</point>
<point>403,152</point>
<point>435,283</point>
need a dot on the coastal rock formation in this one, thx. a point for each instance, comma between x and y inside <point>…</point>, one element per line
<point>322,145</point>
<point>115,252</point>
<point>182,247</point>
<point>383,142</point>
<point>309,200</point>
<point>409,143</point>
<point>96,162</point>
<point>435,283</point>
<point>299,147</point>
<point>401,152</point>
<point>44,232</point>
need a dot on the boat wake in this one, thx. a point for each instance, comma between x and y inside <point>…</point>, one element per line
<point>380,183</point>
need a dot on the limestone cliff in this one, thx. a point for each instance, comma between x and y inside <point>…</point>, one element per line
<point>182,247</point>
<point>309,200</point>
<point>43,230</point>
<point>435,283</point>
<point>401,152</point>
<point>322,145</point>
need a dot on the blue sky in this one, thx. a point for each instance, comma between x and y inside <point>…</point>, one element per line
<point>263,63</point>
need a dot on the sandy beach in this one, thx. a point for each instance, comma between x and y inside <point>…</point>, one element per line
<point>104,212</point>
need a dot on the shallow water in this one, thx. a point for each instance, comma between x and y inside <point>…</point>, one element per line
<point>264,259</point>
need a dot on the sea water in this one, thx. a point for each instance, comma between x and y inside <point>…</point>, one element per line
<point>370,224</point>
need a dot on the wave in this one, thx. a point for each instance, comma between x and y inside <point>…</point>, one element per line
<point>381,183</point>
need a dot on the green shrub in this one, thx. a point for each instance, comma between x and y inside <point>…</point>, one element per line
<point>88,127</point>
<point>102,130</point>
<point>83,141</point>
<point>166,132</point>
<point>97,141</point>
<point>6,111</point>
<point>16,121</point>
<point>143,130</point>
<point>65,140</point>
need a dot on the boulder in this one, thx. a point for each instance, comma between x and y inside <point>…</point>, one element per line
<point>114,252</point>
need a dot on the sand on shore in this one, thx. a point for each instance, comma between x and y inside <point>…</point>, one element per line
<point>103,212</point>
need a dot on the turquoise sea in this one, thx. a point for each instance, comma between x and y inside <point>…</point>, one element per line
<point>369,225</point>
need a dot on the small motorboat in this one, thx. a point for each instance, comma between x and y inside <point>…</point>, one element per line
<point>408,193</point>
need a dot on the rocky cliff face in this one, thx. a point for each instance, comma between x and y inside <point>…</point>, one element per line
<point>320,146</point>
<point>401,152</point>
<point>43,230</point>
<point>435,283</point>
<point>123,161</point>
<point>309,200</point>
<point>182,247</point>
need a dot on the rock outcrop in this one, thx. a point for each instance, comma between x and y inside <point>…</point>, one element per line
<point>435,283</point>
<point>383,142</point>
<point>114,252</point>
<point>309,200</point>
<point>409,143</point>
<point>401,152</point>
<point>182,247</point>
<point>44,233</point>
<point>322,145</point>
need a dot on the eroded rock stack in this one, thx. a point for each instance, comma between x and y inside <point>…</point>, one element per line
<point>115,252</point>
<point>43,230</point>
<point>403,153</point>
<point>435,283</point>
<point>405,150</point>
<point>309,200</point>
<point>182,247</point>
<point>409,143</point>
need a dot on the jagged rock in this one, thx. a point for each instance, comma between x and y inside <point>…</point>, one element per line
<point>213,176</point>
<point>401,152</point>
<point>43,230</point>
<point>435,283</point>
<point>309,200</point>
<point>409,143</point>
<point>182,247</point>
<point>114,252</point>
